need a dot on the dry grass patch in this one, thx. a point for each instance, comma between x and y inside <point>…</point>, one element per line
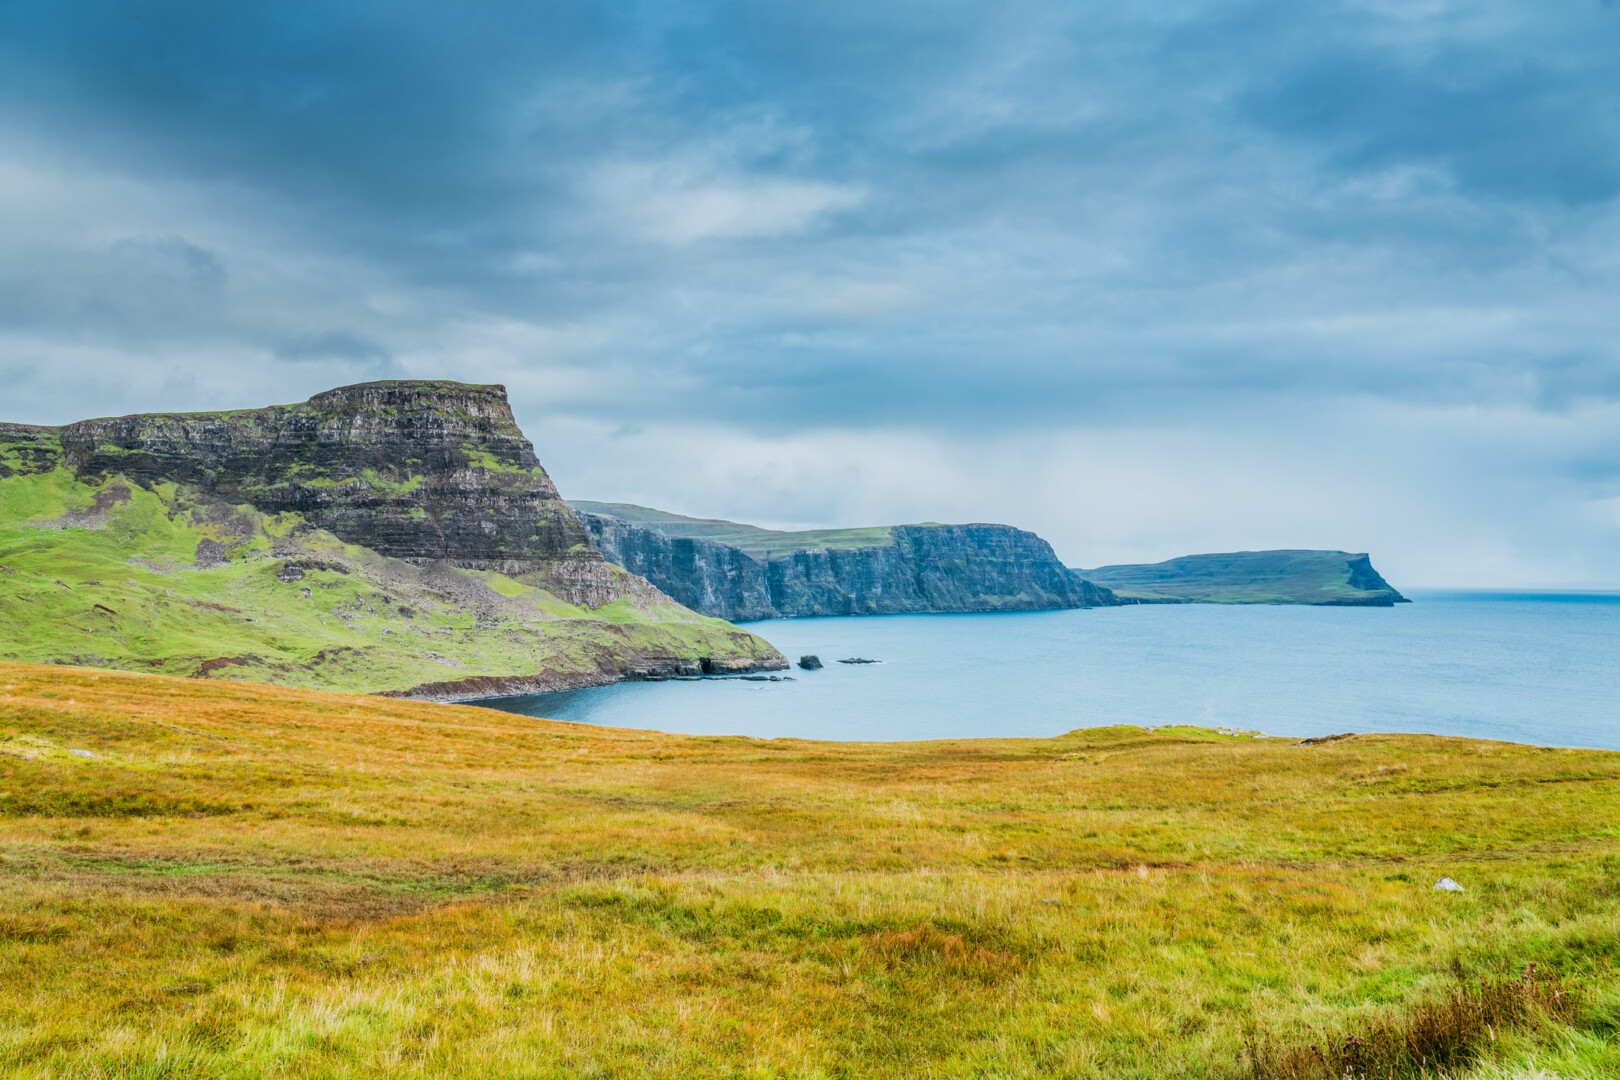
<point>1433,1037</point>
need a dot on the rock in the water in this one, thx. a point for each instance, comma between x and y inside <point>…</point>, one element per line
<point>858,660</point>
<point>810,662</point>
<point>1445,884</point>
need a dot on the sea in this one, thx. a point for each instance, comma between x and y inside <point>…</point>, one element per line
<point>1520,667</point>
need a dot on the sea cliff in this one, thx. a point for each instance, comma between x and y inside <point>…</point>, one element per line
<point>397,536</point>
<point>900,569</point>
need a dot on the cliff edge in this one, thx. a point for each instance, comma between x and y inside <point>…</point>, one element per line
<point>739,571</point>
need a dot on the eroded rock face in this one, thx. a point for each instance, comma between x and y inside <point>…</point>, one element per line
<point>716,579</point>
<point>28,448</point>
<point>931,568</point>
<point>416,470</point>
<point>924,568</point>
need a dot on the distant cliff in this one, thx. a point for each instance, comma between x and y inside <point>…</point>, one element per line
<point>1333,578</point>
<point>716,579</point>
<point>897,569</point>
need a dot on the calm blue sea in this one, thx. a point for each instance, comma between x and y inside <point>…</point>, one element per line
<point>1526,668</point>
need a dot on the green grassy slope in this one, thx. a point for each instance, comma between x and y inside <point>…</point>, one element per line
<point>750,538</point>
<point>154,580</point>
<point>1252,577</point>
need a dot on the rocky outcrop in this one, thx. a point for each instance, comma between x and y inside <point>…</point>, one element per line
<point>27,448</point>
<point>416,470</point>
<point>922,568</point>
<point>641,669</point>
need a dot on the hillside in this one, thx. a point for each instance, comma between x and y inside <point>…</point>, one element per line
<point>394,537</point>
<point>1334,578</point>
<point>230,880</point>
<point>740,572</point>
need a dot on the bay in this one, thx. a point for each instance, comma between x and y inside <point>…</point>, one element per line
<point>1535,668</point>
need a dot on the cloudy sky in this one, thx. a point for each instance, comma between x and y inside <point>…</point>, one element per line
<point>1147,278</point>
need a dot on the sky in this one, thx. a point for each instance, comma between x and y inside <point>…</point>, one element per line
<point>1148,279</point>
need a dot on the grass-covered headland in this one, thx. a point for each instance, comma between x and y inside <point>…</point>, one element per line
<point>116,576</point>
<point>200,878</point>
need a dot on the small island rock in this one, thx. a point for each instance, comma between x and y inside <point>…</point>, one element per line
<point>810,662</point>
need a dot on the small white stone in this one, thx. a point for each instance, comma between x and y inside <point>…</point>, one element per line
<point>82,753</point>
<point>1445,884</point>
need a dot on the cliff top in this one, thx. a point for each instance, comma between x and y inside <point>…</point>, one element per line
<point>758,542</point>
<point>386,393</point>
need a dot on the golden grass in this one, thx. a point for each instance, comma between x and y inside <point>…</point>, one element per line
<point>1446,1032</point>
<point>249,881</point>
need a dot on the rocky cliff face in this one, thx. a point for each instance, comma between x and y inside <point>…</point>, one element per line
<point>416,470</point>
<point>716,579</point>
<point>924,568</point>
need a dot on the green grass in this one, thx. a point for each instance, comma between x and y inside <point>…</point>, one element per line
<point>755,541</point>
<point>121,587</point>
<point>1248,577</point>
<point>251,881</point>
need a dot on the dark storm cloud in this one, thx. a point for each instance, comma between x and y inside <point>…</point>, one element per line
<point>1509,122</point>
<point>1073,175</point>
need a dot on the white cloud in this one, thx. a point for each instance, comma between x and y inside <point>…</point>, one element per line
<point>1439,497</point>
<point>685,200</point>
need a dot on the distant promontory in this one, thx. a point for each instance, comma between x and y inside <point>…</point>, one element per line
<point>733,570</point>
<point>736,571</point>
<point>1332,578</point>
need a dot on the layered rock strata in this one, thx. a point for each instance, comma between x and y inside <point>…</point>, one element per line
<point>415,470</point>
<point>921,568</point>
<point>716,579</point>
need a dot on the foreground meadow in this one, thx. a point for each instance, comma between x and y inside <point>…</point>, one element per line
<point>217,879</point>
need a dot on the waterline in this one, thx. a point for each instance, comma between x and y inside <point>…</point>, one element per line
<point>1519,667</point>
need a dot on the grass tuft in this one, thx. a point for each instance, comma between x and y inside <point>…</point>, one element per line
<point>1432,1038</point>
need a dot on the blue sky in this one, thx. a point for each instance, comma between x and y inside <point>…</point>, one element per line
<point>1146,278</point>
